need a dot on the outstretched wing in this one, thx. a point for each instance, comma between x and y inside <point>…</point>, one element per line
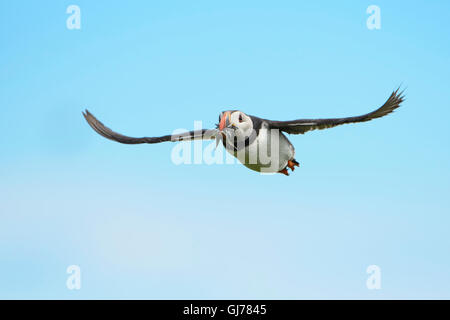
<point>106,132</point>
<point>304,125</point>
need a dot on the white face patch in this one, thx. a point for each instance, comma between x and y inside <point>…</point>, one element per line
<point>242,123</point>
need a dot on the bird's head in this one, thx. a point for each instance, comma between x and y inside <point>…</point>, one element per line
<point>235,122</point>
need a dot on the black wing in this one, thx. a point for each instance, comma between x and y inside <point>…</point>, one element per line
<point>106,132</point>
<point>304,125</point>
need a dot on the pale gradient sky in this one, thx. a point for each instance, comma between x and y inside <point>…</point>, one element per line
<point>141,227</point>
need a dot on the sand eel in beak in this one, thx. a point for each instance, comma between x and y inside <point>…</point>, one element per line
<point>259,144</point>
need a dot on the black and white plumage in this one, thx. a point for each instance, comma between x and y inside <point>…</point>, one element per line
<point>257,143</point>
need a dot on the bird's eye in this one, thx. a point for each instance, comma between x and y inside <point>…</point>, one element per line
<point>240,118</point>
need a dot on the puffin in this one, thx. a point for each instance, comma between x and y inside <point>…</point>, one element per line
<point>259,144</point>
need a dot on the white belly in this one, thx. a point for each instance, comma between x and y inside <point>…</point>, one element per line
<point>269,152</point>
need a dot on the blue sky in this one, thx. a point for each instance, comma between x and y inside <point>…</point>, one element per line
<point>141,227</point>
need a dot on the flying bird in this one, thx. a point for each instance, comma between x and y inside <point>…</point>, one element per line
<point>259,144</point>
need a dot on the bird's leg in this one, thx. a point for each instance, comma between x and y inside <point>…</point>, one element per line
<point>284,171</point>
<point>292,163</point>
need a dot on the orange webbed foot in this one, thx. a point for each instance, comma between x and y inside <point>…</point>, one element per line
<point>292,164</point>
<point>284,171</point>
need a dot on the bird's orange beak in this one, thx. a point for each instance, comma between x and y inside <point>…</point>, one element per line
<point>225,120</point>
